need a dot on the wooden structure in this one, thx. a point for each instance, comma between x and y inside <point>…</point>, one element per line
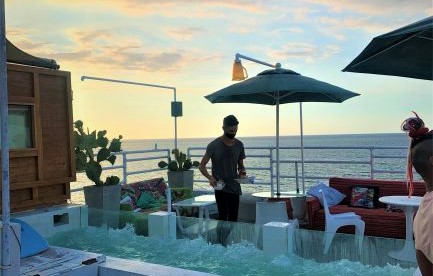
<point>40,174</point>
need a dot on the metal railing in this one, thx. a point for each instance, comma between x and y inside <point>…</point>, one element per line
<point>262,160</point>
<point>371,159</point>
<point>127,160</point>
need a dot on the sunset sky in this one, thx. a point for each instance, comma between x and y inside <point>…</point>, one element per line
<point>191,45</point>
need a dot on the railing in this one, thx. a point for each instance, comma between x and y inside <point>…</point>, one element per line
<point>261,162</point>
<point>126,161</point>
<point>372,157</point>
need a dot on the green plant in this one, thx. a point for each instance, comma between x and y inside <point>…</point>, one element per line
<point>180,162</point>
<point>86,144</point>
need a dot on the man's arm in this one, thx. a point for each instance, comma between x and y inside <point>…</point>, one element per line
<point>203,170</point>
<point>241,168</point>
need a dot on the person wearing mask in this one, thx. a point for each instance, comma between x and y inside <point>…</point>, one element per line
<point>227,154</point>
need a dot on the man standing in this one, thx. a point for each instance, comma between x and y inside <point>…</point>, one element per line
<point>227,154</point>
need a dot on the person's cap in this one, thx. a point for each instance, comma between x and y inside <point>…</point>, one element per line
<point>230,121</point>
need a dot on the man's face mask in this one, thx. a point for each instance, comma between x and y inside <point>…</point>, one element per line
<point>230,132</point>
<point>229,135</point>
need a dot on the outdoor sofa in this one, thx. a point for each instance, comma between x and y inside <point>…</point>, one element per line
<point>380,221</point>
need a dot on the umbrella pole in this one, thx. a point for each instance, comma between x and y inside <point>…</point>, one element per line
<point>278,142</point>
<point>302,151</point>
<point>5,231</point>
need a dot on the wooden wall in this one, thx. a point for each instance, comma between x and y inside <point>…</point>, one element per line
<point>41,175</point>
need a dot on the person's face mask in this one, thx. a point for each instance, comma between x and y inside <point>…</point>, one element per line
<point>230,132</point>
<point>229,135</point>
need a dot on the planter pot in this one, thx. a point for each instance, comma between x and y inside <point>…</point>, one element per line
<point>183,179</point>
<point>104,205</point>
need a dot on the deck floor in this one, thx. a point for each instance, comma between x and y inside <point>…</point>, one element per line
<point>59,260</point>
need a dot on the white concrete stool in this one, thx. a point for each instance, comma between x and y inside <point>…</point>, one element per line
<point>278,237</point>
<point>162,224</point>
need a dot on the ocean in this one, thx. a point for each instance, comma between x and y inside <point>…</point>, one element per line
<point>320,164</point>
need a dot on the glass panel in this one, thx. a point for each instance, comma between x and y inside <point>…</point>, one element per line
<point>20,127</point>
<point>243,254</point>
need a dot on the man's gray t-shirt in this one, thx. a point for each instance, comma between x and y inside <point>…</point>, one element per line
<point>225,161</point>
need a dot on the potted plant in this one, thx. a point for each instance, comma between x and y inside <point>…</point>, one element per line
<point>91,149</point>
<point>179,170</point>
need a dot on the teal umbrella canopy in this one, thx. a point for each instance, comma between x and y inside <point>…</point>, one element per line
<point>287,85</point>
<point>405,52</point>
<point>280,86</point>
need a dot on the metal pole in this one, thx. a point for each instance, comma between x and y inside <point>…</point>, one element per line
<point>175,122</point>
<point>278,143</point>
<point>271,171</point>
<point>125,168</point>
<point>371,163</point>
<point>5,233</point>
<point>141,84</point>
<point>238,56</point>
<point>302,149</point>
<point>297,178</point>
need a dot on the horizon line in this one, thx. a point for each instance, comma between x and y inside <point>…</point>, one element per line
<point>269,136</point>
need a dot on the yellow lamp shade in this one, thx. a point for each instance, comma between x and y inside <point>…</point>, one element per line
<point>239,72</point>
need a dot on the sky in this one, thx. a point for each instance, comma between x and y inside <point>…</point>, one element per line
<point>191,45</point>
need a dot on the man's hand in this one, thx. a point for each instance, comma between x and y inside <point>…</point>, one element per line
<point>212,181</point>
<point>242,174</point>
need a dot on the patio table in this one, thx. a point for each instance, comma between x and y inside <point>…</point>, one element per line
<point>202,202</point>
<point>295,202</point>
<point>409,206</point>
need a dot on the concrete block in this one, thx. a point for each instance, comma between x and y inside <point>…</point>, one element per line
<point>49,221</point>
<point>15,236</point>
<point>278,237</point>
<point>162,224</point>
<point>84,216</point>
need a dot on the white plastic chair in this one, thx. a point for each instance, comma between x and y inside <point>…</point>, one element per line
<point>333,222</point>
<point>267,212</point>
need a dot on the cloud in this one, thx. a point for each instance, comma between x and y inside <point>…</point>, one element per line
<point>373,7</point>
<point>169,8</point>
<point>109,50</point>
<point>285,31</point>
<point>369,16</point>
<point>335,26</point>
<point>302,14</point>
<point>16,31</point>
<point>307,52</point>
<point>183,33</point>
<point>78,55</point>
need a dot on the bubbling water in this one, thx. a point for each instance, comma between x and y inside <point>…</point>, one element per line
<point>196,254</point>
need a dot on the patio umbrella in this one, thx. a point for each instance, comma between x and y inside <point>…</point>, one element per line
<point>280,86</point>
<point>405,52</point>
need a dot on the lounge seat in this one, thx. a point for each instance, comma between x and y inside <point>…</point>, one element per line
<point>378,222</point>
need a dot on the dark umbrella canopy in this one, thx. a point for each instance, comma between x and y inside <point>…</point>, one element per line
<point>405,52</point>
<point>279,86</point>
<point>290,86</point>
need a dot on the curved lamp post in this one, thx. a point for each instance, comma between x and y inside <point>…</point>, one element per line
<point>176,107</point>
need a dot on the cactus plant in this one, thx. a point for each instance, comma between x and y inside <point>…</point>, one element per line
<point>180,162</point>
<point>87,161</point>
